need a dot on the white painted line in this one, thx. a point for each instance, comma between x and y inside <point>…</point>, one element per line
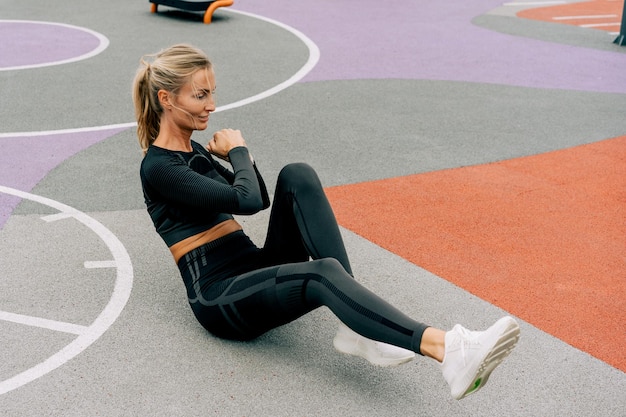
<point>533,3</point>
<point>55,217</point>
<point>314,56</point>
<point>597,16</point>
<point>599,25</point>
<point>100,264</point>
<point>57,326</point>
<point>121,293</point>
<point>66,131</point>
<point>102,45</point>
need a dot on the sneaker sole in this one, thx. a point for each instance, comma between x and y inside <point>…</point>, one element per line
<point>502,347</point>
<point>348,349</point>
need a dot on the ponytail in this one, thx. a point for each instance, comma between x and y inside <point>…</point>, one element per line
<point>147,108</point>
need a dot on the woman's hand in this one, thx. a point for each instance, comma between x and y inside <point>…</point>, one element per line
<point>223,141</point>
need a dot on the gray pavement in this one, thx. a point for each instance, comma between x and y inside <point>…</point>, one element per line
<point>110,331</point>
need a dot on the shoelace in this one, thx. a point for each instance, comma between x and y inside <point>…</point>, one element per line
<point>466,338</point>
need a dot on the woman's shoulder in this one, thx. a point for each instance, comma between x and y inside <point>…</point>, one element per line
<point>157,158</point>
<point>158,153</point>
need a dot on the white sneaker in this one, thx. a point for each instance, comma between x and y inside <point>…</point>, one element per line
<point>470,357</point>
<point>377,353</point>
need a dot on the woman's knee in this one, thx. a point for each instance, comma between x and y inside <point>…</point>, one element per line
<point>330,268</point>
<point>299,175</point>
<point>328,279</point>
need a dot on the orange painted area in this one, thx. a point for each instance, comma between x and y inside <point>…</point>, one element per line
<point>584,10</point>
<point>543,237</point>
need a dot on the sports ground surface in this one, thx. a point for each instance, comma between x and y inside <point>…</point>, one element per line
<point>474,153</point>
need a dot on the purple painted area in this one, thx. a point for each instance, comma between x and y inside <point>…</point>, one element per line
<point>7,204</point>
<point>37,43</point>
<point>24,161</point>
<point>436,40</point>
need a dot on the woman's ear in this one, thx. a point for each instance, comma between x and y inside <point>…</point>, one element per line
<point>164,98</point>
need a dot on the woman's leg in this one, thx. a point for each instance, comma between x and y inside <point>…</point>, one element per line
<point>253,303</point>
<point>302,223</point>
<point>360,309</point>
<point>246,306</point>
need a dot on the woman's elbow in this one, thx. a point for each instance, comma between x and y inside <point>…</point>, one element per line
<point>251,205</point>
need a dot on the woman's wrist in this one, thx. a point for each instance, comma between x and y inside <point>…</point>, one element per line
<point>237,148</point>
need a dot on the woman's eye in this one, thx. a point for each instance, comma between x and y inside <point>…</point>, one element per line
<point>203,95</point>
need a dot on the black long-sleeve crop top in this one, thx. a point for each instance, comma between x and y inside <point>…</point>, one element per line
<point>189,192</point>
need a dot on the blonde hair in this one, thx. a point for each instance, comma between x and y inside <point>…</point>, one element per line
<point>167,70</point>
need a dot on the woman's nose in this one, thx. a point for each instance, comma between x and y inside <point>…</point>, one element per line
<point>210,104</point>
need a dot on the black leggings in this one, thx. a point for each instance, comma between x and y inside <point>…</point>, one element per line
<point>238,291</point>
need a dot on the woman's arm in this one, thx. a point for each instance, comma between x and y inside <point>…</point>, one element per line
<point>180,185</point>
<point>230,177</point>
<point>222,143</point>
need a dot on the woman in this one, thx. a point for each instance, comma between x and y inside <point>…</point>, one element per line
<point>239,291</point>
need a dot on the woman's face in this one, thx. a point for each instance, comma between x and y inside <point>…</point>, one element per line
<point>195,101</point>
